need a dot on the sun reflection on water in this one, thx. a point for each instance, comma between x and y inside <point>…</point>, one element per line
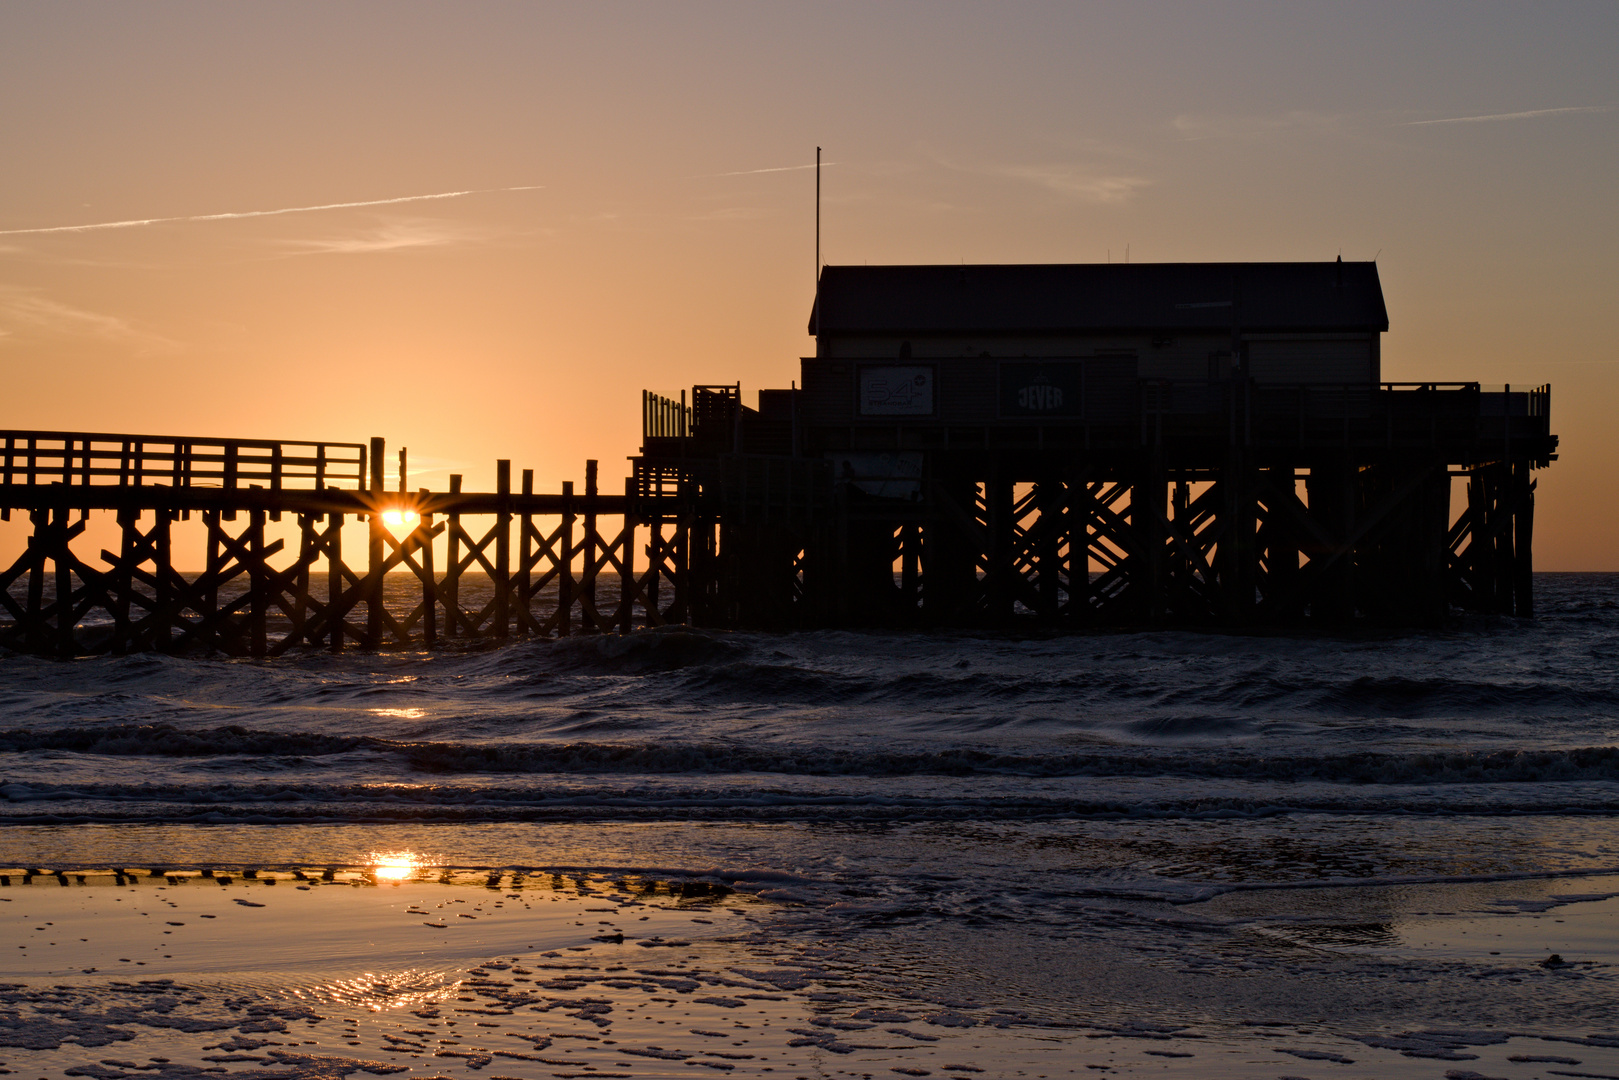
<point>378,991</point>
<point>395,865</point>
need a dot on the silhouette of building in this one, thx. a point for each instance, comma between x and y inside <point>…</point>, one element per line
<point>1146,443</point>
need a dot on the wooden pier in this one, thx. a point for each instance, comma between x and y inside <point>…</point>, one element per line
<point>1058,446</point>
<point>551,563</point>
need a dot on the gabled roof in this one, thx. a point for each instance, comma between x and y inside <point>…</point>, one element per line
<point>1057,297</point>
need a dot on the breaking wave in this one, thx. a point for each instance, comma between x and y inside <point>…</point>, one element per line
<point>1435,766</point>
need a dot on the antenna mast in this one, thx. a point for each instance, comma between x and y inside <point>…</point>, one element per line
<point>817,221</point>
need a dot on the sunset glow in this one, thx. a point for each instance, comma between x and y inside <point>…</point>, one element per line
<point>395,866</point>
<point>509,298</point>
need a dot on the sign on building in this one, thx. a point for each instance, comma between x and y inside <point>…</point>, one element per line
<point>896,390</point>
<point>1041,389</point>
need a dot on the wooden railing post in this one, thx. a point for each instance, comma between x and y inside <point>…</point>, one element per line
<point>275,476</point>
<point>229,480</point>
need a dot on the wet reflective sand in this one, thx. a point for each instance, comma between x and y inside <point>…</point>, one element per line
<point>304,974</point>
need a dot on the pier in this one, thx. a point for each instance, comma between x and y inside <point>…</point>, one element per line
<point>1058,446</point>
<point>547,557</point>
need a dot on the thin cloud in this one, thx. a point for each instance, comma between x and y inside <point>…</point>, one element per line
<point>1526,115</point>
<point>25,311</point>
<point>235,215</point>
<point>734,213</point>
<point>756,172</point>
<point>1196,128</point>
<point>1076,182</point>
<point>390,236</point>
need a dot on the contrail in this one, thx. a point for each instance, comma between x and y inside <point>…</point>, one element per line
<point>752,172</point>
<point>1532,113</point>
<point>260,213</point>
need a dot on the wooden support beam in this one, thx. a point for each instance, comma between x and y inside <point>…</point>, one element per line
<point>426,532</point>
<point>626,586</point>
<point>565,599</point>
<point>334,579</point>
<point>450,587</point>
<point>590,540</point>
<point>1522,540</point>
<point>525,585</point>
<point>503,556</point>
<point>374,553</point>
<point>258,631</point>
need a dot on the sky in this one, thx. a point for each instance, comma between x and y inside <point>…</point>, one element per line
<point>479,230</point>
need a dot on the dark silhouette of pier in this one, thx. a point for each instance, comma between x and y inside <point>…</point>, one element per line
<point>1066,446</point>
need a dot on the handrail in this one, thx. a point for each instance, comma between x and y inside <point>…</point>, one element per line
<point>664,418</point>
<point>106,459</point>
<point>1440,386</point>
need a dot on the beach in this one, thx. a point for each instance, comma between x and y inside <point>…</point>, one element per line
<point>824,854</point>
<point>418,972</point>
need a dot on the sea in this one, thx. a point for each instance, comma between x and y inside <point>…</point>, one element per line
<point>1367,835</point>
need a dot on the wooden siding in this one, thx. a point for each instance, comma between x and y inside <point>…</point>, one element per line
<point>1313,359</point>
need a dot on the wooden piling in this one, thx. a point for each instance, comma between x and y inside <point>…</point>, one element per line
<point>258,583</point>
<point>1522,541</point>
<point>450,587</point>
<point>503,568</point>
<point>589,618</point>
<point>65,621</point>
<point>424,530</point>
<point>525,579</point>
<point>375,549</point>
<point>565,598</point>
<point>163,590</point>
<point>334,580</point>
<point>214,570</point>
<point>626,586</point>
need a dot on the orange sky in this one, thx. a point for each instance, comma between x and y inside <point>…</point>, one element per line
<point>665,233</point>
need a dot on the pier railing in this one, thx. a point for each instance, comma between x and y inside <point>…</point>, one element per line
<point>516,561</point>
<point>85,458</point>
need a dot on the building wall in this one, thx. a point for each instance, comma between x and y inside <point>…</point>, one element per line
<point>888,379</point>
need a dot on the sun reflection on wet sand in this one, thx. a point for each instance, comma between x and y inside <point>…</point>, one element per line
<point>395,865</point>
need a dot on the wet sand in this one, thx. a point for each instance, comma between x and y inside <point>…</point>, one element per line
<point>473,974</point>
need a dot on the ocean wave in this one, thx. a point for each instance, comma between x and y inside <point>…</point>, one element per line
<point>1434,766</point>
<point>238,803</point>
<point>168,740</point>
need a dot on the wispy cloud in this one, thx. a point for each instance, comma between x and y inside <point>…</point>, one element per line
<point>1529,114</point>
<point>734,213</point>
<point>756,172</point>
<point>1194,127</point>
<point>1076,181</point>
<point>26,312</point>
<point>389,236</point>
<point>238,214</point>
